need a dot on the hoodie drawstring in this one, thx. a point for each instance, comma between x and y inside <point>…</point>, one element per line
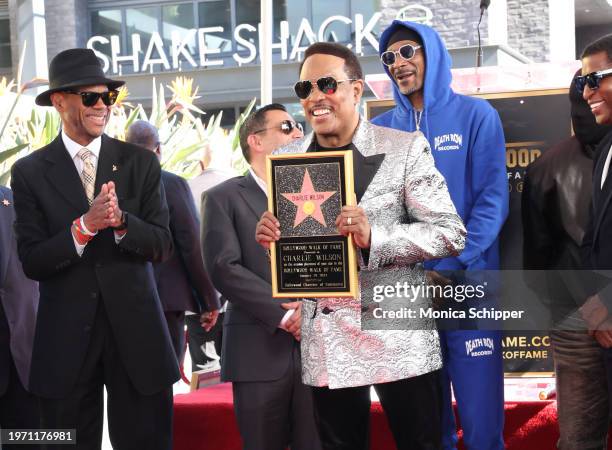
<point>418,115</point>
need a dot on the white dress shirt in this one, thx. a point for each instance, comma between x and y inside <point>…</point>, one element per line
<point>74,148</point>
<point>606,166</point>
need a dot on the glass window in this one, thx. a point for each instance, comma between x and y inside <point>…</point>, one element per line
<point>368,8</point>
<point>249,11</point>
<point>5,32</point>
<point>216,13</point>
<point>294,11</point>
<point>178,18</point>
<point>281,12</point>
<point>106,23</point>
<point>5,55</point>
<point>336,31</point>
<point>143,21</point>
<point>5,43</point>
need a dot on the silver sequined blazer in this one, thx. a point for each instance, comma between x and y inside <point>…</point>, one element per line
<point>412,219</point>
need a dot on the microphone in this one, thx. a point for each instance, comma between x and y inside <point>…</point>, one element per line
<point>484,4</point>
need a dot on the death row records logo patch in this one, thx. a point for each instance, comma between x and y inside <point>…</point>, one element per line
<point>448,142</point>
<point>479,347</point>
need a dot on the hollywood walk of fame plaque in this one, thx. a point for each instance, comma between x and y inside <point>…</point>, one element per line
<point>306,192</point>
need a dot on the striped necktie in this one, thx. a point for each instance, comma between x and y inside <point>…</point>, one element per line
<point>88,174</point>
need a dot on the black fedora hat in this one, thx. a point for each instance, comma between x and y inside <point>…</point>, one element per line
<point>72,68</point>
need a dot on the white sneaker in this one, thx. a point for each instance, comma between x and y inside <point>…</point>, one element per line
<point>210,366</point>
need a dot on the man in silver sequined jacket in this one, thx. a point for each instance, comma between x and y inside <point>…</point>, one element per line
<point>404,216</point>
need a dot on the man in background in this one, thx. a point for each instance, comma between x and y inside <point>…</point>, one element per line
<point>261,348</point>
<point>18,304</point>
<point>182,281</point>
<point>213,173</point>
<point>468,146</point>
<point>555,209</point>
<point>595,83</point>
<point>205,346</point>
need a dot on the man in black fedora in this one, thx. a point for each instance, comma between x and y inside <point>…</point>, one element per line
<point>89,221</point>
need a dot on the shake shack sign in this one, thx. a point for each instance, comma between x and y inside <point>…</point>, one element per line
<point>202,47</point>
<point>156,53</point>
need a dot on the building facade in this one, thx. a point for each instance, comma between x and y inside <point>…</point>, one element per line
<point>216,42</point>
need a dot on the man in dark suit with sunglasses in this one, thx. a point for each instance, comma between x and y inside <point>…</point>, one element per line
<point>182,282</point>
<point>89,221</point>
<point>596,87</point>
<point>261,349</point>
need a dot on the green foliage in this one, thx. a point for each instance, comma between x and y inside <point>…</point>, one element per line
<point>185,139</point>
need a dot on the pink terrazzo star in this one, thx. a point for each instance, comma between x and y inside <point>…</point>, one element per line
<point>308,202</point>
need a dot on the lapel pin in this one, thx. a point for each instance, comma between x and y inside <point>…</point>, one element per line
<point>114,168</point>
<point>5,202</point>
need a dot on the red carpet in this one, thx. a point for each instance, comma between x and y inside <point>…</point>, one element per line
<point>204,420</point>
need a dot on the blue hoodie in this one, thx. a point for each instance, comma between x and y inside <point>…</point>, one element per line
<point>468,145</point>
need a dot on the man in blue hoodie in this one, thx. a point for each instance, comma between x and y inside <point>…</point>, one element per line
<point>468,146</point>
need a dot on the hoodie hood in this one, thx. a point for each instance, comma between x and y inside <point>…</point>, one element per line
<point>438,77</point>
<point>468,146</point>
<point>586,129</point>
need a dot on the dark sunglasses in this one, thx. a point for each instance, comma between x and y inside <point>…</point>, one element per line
<point>286,126</point>
<point>407,52</point>
<point>327,85</point>
<point>91,98</point>
<point>592,79</point>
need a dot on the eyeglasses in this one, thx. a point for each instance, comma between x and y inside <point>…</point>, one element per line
<point>286,126</point>
<point>327,85</point>
<point>91,98</point>
<point>592,79</point>
<point>407,52</point>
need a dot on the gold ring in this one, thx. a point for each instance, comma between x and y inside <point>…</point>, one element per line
<point>349,221</point>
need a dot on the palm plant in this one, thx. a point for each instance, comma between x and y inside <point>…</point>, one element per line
<point>183,135</point>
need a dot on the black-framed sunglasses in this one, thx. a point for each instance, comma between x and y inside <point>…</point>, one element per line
<point>592,79</point>
<point>286,126</point>
<point>407,52</point>
<point>91,98</point>
<point>327,85</point>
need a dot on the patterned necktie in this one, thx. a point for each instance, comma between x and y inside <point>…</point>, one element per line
<point>88,174</point>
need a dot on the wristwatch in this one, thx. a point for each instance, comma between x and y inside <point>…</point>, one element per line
<point>124,222</point>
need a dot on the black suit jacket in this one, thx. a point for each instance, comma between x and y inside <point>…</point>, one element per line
<point>182,281</point>
<point>48,197</point>
<point>597,242</point>
<point>254,348</point>
<point>18,300</point>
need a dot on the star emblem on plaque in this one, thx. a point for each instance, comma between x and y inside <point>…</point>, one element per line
<point>306,193</point>
<point>308,201</point>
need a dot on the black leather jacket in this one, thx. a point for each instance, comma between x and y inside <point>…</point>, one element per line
<point>555,207</point>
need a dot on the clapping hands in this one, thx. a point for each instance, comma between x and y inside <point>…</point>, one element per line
<point>104,211</point>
